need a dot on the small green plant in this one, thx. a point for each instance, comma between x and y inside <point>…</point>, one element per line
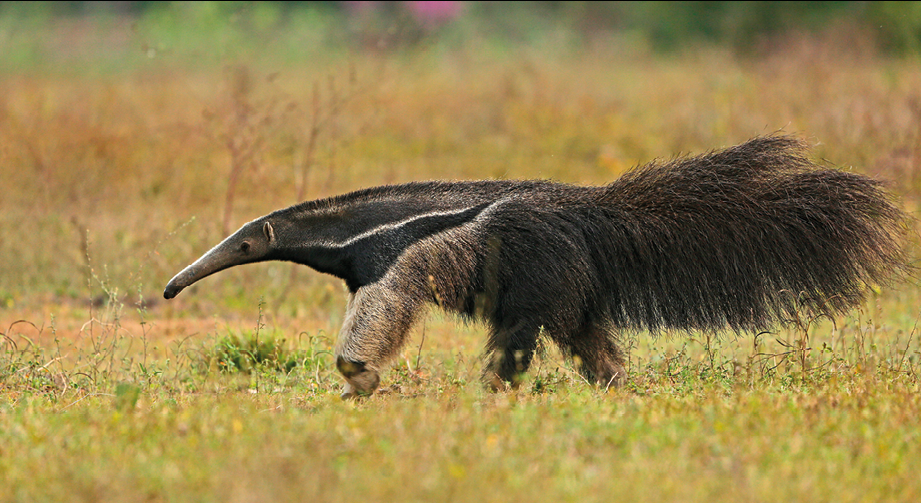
<point>245,352</point>
<point>250,351</point>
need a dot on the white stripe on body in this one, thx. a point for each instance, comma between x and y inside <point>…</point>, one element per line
<point>402,223</point>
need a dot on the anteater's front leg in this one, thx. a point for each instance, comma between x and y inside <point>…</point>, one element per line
<point>376,323</point>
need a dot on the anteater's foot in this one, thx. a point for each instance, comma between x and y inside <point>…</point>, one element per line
<point>359,380</point>
<point>506,370</point>
<point>604,373</point>
<point>492,382</point>
<point>614,376</point>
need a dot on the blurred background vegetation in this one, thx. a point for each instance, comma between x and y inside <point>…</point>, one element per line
<point>135,135</point>
<point>58,33</point>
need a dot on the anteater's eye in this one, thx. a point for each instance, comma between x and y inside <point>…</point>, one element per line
<point>245,247</point>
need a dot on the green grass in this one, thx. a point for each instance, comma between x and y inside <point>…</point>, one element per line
<point>759,445</point>
<point>116,177</point>
<point>691,425</point>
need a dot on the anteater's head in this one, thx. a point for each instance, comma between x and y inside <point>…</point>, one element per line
<point>254,242</point>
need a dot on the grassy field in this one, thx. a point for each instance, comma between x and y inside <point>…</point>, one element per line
<point>116,177</point>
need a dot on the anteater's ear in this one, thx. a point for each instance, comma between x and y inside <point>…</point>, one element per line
<point>269,232</point>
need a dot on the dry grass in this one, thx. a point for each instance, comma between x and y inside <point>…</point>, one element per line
<point>114,181</point>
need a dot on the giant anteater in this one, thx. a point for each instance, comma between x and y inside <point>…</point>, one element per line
<point>740,238</point>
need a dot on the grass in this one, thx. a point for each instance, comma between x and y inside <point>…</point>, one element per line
<point>694,423</point>
<point>117,179</point>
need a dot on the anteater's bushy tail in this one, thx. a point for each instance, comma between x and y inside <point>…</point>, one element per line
<point>745,237</point>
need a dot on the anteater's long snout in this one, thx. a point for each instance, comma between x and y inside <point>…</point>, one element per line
<point>170,291</point>
<point>178,283</point>
<point>216,260</point>
<point>186,277</point>
<point>212,262</point>
<point>249,244</point>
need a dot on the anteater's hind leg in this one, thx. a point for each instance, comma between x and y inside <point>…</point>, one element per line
<point>510,351</point>
<point>375,327</point>
<point>599,358</point>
